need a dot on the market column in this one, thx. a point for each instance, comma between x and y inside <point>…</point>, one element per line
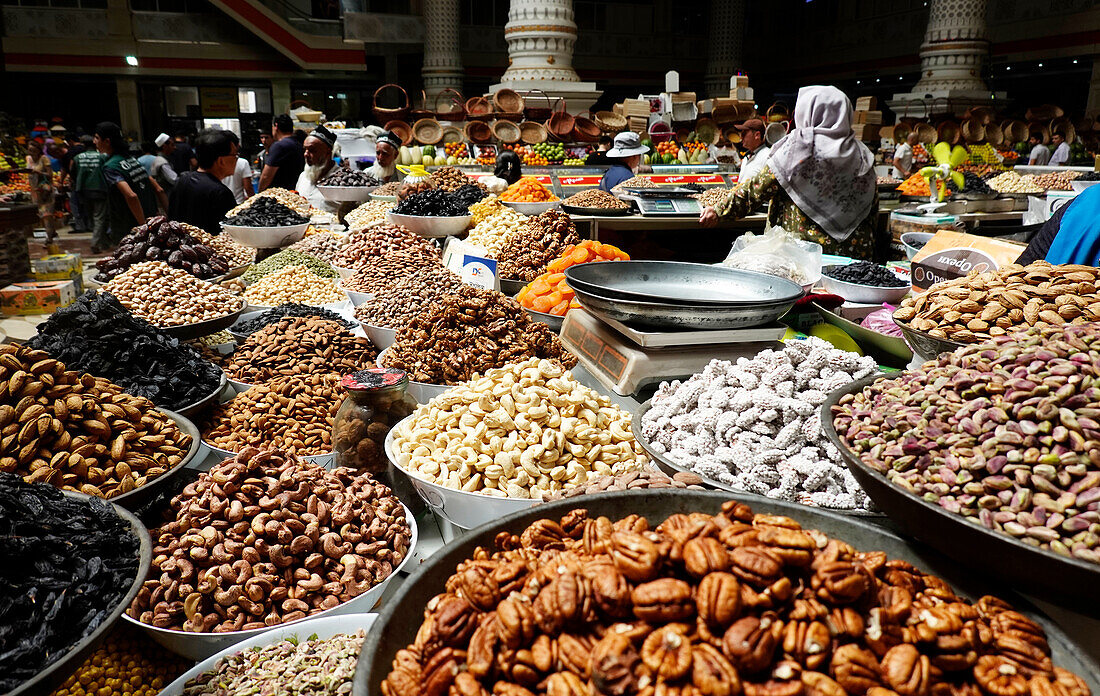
<point>129,112</point>
<point>727,30</point>
<point>442,60</point>
<point>280,96</point>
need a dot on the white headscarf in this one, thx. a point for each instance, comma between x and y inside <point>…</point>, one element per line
<point>827,172</point>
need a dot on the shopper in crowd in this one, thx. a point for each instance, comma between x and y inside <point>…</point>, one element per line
<point>318,153</point>
<point>148,156</point>
<point>384,168</point>
<point>508,167</point>
<point>265,141</point>
<point>285,160</point>
<point>91,190</point>
<point>162,170</point>
<point>819,180</point>
<point>41,183</point>
<point>300,136</point>
<point>182,157</point>
<point>757,151</point>
<point>625,158</point>
<point>599,156</point>
<point>903,157</point>
<point>200,198</point>
<point>1040,153</point>
<point>132,195</point>
<point>65,182</point>
<point>240,181</point>
<point>1061,155</point>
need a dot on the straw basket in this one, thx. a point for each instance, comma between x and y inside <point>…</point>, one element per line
<point>948,132</point>
<point>423,112</point>
<point>707,131</point>
<point>401,130</point>
<point>1044,112</point>
<point>427,131</point>
<point>452,134</point>
<point>478,132</point>
<point>457,112</point>
<point>901,132</point>
<point>506,131</point>
<point>778,112</point>
<point>478,109</point>
<point>1065,127</point>
<point>538,113</point>
<point>610,122</point>
<point>383,114</point>
<point>926,133</point>
<point>1014,131</point>
<point>508,105</point>
<point>560,124</point>
<point>1041,128</point>
<point>585,129</point>
<point>973,131</point>
<point>994,135</point>
<point>981,114</point>
<point>532,132</point>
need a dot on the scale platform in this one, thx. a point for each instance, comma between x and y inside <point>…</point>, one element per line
<point>665,201</point>
<point>625,359</point>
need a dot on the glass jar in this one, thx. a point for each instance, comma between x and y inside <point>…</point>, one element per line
<point>376,402</point>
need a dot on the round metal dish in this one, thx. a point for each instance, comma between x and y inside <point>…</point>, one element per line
<point>232,273</point>
<point>394,630</point>
<point>193,408</point>
<point>532,208</point>
<point>863,294</point>
<point>202,328</point>
<point>670,467</point>
<point>55,674</point>
<point>662,315</point>
<point>323,628</point>
<point>595,212</point>
<point>551,320</point>
<point>461,508</point>
<point>926,346</point>
<point>266,237</point>
<point>1069,582</point>
<point>892,345</point>
<point>388,199</point>
<point>914,242</point>
<point>199,646</point>
<point>679,283</point>
<point>511,287</point>
<point>143,494</point>
<point>346,194</point>
<point>422,392</point>
<point>430,226</point>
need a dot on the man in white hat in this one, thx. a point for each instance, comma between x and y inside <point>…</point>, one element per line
<point>161,170</point>
<point>626,156</point>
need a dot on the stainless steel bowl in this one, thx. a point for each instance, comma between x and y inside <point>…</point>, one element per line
<point>863,294</point>
<point>926,346</point>
<point>662,315</point>
<point>682,284</point>
<point>203,328</point>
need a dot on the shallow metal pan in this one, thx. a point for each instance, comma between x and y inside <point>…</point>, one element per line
<point>675,282</point>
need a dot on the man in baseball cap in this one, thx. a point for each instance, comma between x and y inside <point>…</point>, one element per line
<point>625,155</point>
<point>752,138</point>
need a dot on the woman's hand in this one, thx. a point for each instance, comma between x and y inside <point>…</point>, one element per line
<point>709,218</point>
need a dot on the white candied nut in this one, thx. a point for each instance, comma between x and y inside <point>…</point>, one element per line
<point>754,424</point>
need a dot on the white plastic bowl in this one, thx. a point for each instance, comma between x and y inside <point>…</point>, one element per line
<point>430,226</point>
<point>532,208</point>
<point>381,336</point>
<point>199,646</point>
<point>239,387</point>
<point>1080,186</point>
<point>345,272</point>
<point>423,392</point>
<point>266,237</point>
<point>346,194</point>
<point>462,509</point>
<point>324,627</point>
<point>864,294</point>
<point>357,298</point>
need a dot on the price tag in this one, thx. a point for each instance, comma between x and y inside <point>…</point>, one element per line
<point>479,271</point>
<point>687,179</point>
<point>580,180</point>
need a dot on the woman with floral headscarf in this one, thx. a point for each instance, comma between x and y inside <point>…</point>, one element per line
<point>819,180</point>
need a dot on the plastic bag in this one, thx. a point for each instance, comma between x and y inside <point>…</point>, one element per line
<point>779,253</point>
<point>494,183</point>
<point>882,321</point>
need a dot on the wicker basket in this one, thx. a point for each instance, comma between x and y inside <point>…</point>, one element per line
<point>384,114</point>
<point>423,112</point>
<point>1015,131</point>
<point>401,130</point>
<point>478,109</point>
<point>427,131</point>
<point>926,133</point>
<point>981,114</point>
<point>532,132</point>
<point>457,112</point>
<point>585,129</point>
<point>901,132</point>
<point>506,132</point>
<point>513,116</point>
<point>452,134</point>
<point>1065,127</point>
<point>609,121</point>
<point>994,135</point>
<point>508,101</point>
<point>560,124</point>
<point>948,132</point>
<point>973,131</point>
<point>1041,128</point>
<point>478,132</point>
<point>777,112</point>
<point>706,130</point>
<point>538,113</point>
<point>1044,112</point>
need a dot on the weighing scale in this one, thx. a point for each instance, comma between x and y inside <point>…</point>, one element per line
<point>625,359</point>
<point>665,202</point>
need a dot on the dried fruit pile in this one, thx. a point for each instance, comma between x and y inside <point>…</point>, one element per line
<point>527,190</point>
<point>715,605</point>
<point>266,211</point>
<point>161,239</point>
<point>550,292</point>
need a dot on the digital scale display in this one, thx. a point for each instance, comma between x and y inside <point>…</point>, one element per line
<point>663,206</point>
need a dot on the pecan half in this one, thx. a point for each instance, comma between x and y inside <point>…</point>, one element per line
<point>999,677</point>
<point>667,651</point>
<point>718,601</point>
<point>704,555</point>
<point>855,669</point>
<point>634,555</point>
<point>614,664</point>
<point>712,673</point>
<point>662,601</point>
<point>907,671</point>
<point>751,641</point>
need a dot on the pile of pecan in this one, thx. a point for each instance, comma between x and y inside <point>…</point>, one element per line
<point>704,605</point>
<point>470,331</point>
<point>265,538</point>
<point>542,239</point>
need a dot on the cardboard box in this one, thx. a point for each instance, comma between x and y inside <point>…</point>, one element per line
<point>873,117</point>
<point>865,131</point>
<point>866,104</point>
<point>742,94</point>
<point>739,81</point>
<point>37,298</point>
<point>59,267</point>
<point>676,97</point>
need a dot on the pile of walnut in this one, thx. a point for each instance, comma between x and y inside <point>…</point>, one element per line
<point>542,239</point>
<point>713,606</point>
<point>468,332</point>
<point>264,538</point>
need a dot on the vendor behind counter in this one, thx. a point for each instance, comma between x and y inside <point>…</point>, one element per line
<point>625,157</point>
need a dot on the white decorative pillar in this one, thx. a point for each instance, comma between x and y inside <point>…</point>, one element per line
<point>727,30</point>
<point>442,60</point>
<point>541,35</point>
<point>952,55</point>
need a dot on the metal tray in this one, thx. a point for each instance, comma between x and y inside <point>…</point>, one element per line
<point>926,346</point>
<point>511,287</point>
<point>55,675</point>
<point>680,283</point>
<point>670,467</point>
<point>196,407</point>
<point>139,496</point>
<point>1067,582</point>
<point>203,328</point>
<point>399,619</point>
<point>661,315</point>
<point>595,212</point>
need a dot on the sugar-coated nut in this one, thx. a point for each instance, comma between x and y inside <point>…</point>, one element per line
<point>526,430</point>
<point>166,296</point>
